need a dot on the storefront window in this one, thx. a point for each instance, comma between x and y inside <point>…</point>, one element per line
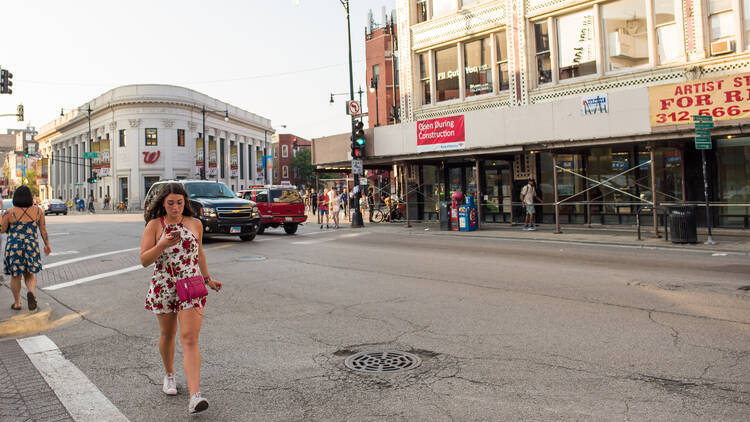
<point>478,72</point>
<point>501,50</point>
<point>733,163</point>
<point>668,170</point>
<point>443,7</point>
<point>576,45</point>
<point>471,181</point>
<point>424,78</point>
<point>431,189</point>
<point>667,37</point>
<point>454,181</point>
<point>447,73</point>
<point>611,163</point>
<point>626,37</point>
<point>720,19</point>
<point>543,64</point>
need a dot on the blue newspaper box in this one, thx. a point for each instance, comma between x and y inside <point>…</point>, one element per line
<point>467,218</point>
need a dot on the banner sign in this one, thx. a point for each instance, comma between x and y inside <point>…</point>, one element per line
<point>212,171</point>
<point>443,134</point>
<point>723,98</point>
<point>594,104</point>
<point>233,167</point>
<point>199,152</point>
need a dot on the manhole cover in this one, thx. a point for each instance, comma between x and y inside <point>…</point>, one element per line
<point>251,258</point>
<point>382,361</point>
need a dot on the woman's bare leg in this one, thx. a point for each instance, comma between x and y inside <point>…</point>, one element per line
<point>168,326</point>
<point>190,327</point>
<point>30,279</point>
<point>15,287</point>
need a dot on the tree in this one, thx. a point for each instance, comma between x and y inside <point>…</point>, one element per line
<point>303,163</point>
<point>31,181</point>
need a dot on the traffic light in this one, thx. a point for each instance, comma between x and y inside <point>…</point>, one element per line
<point>92,179</point>
<point>5,82</point>
<point>359,135</point>
<point>203,173</point>
<point>20,112</point>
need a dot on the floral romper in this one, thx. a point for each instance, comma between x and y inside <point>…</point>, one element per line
<point>175,263</point>
<point>22,248</point>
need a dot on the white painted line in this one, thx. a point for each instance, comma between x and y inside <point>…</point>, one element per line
<point>84,258</point>
<point>58,234</point>
<point>92,278</point>
<point>83,400</point>
<point>61,253</point>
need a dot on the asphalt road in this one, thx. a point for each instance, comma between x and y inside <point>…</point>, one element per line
<point>506,330</point>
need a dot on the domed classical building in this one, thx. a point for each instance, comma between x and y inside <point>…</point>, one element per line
<point>140,134</point>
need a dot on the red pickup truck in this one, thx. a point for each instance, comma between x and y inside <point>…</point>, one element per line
<point>278,206</point>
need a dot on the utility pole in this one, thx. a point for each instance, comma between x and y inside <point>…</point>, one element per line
<point>357,221</point>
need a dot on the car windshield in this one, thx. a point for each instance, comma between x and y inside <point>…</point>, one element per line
<point>208,190</point>
<point>285,196</point>
<point>56,201</point>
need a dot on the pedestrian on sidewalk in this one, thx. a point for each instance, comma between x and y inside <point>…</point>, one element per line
<point>22,257</point>
<point>528,193</point>
<point>371,201</point>
<point>323,207</point>
<point>173,239</point>
<point>313,200</point>
<point>335,207</point>
<point>91,204</point>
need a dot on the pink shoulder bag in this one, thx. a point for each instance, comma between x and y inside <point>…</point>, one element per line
<point>189,288</point>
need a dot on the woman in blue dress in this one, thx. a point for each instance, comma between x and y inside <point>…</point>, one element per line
<point>22,256</point>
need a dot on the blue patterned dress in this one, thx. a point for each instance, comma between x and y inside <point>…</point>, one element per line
<point>22,248</point>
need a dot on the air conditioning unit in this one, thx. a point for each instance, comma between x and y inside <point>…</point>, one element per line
<point>625,46</point>
<point>722,47</point>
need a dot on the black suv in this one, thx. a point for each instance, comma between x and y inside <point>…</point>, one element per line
<point>218,208</point>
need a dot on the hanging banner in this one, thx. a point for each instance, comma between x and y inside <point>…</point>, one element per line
<point>259,166</point>
<point>212,170</point>
<point>723,98</point>
<point>443,134</point>
<point>198,157</point>
<point>233,167</point>
<point>576,38</point>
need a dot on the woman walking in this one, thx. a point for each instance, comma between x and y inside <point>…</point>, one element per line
<point>173,239</point>
<point>22,256</point>
<point>335,208</point>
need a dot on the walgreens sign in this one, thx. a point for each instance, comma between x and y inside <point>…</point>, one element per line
<point>443,134</point>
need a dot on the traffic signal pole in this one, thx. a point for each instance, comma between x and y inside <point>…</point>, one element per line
<point>357,221</point>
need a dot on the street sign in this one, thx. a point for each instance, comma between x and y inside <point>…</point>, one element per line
<point>702,118</point>
<point>702,146</point>
<point>357,167</point>
<point>88,154</point>
<point>353,107</point>
<point>704,125</point>
<point>702,133</point>
<point>703,139</point>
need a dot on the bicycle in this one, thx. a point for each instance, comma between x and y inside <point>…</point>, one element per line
<point>385,214</point>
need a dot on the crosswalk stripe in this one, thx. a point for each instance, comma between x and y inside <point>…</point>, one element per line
<point>92,278</point>
<point>84,258</point>
<point>83,400</point>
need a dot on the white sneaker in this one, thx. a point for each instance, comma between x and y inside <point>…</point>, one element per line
<point>170,385</point>
<point>197,403</point>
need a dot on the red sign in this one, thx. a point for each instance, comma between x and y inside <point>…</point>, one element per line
<point>151,157</point>
<point>443,134</point>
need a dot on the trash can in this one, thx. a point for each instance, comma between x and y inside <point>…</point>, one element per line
<point>445,215</point>
<point>683,223</point>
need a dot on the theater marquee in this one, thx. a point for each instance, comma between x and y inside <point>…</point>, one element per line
<point>723,98</point>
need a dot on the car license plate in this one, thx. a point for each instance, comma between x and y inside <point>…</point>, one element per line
<point>288,219</point>
<point>235,229</point>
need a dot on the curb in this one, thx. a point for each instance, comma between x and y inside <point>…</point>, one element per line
<point>26,323</point>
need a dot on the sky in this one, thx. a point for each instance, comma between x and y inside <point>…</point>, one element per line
<point>280,59</point>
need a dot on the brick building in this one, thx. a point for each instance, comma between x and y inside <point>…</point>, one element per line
<point>382,69</point>
<point>285,148</point>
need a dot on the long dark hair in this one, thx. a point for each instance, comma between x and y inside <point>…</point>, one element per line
<point>22,197</point>
<point>156,207</point>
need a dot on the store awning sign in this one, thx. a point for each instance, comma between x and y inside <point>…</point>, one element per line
<point>443,134</point>
<point>723,98</point>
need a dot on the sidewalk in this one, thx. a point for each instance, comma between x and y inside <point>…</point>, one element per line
<point>727,240</point>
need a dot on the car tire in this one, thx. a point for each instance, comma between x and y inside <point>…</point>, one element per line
<point>261,229</point>
<point>290,228</point>
<point>247,237</point>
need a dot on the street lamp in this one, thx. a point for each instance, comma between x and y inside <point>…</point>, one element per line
<point>88,113</point>
<point>374,88</point>
<point>226,119</point>
<point>360,92</point>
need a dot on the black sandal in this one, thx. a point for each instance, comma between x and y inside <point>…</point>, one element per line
<point>32,300</point>
<point>13,306</point>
